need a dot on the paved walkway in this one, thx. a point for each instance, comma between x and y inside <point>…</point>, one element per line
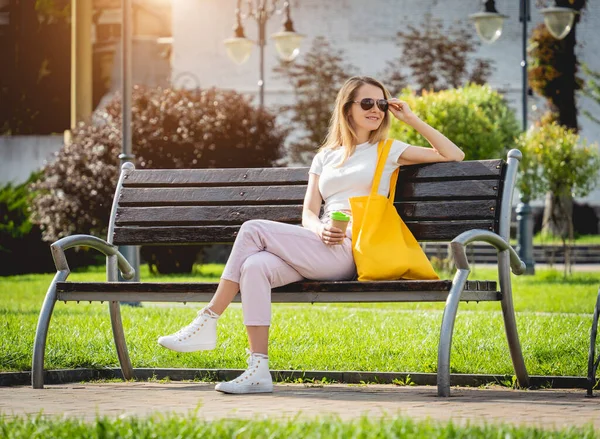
<point>543,408</point>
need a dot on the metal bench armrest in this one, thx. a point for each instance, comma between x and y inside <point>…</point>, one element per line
<point>504,249</point>
<point>60,260</point>
<point>58,252</point>
<point>459,243</point>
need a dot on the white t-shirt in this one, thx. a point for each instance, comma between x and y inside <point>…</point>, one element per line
<point>355,177</point>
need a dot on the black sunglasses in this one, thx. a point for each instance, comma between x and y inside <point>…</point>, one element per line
<point>368,103</point>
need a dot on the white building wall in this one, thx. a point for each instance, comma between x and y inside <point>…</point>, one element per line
<point>366,31</point>
<point>21,155</point>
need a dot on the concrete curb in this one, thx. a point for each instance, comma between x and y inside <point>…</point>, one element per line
<point>62,376</point>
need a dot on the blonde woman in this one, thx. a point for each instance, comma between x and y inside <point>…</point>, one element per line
<point>268,254</point>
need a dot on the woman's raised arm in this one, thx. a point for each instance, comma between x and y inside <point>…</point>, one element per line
<point>442,149</point>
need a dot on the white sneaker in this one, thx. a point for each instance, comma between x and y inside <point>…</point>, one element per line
<point>256,379</point>
<point>200,335</point>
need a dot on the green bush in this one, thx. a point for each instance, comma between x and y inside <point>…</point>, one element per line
<point>14,202</point>
<point>474,117</point>
<point>171,129</point>
<point>21,247</point>
<point>556,160</point>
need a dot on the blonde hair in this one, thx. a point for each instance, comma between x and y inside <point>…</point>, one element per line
<point>341,133</point>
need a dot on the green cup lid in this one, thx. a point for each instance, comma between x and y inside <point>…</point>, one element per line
<point>340,216</point>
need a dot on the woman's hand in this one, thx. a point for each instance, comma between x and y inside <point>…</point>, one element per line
<point>331,235</point>
<point>401,111</point>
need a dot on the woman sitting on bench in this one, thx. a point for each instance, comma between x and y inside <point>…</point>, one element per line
<point>268,254</point>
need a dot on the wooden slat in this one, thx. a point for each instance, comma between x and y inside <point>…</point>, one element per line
<point>423,231</point>
<point>447,231</point>
<point>447,210</point>
<point>216,177</point>
<point>437,201</point>
<point>264,195</point>
<point>212,196</point>
<point>175,235</point>
<point>475,170</point>
<point>483,169</point>
<point>235,215</point>
<point>449,190</point>
<point>205,215</point>
<point>308,297</point>
<point>304,291</point>
<point>337,287</point>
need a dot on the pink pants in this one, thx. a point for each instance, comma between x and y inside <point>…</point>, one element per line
<point>267,254</point>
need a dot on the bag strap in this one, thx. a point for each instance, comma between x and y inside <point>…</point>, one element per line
<point>393,182</point>
<point>384,149</point>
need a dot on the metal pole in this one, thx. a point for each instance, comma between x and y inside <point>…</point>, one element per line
<point>262,22</point>
<point>524,18</point>
<point>127,153</point>
<point>131,253</point>
<point>81,61</point>
<point>524,213</point>
<point>525,234</point>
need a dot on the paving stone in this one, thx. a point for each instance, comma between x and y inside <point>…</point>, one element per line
<point>550,408</point>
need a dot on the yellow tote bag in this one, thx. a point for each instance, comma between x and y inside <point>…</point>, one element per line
<point>383,246</point>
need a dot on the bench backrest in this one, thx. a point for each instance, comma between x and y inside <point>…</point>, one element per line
<point>190,206</point>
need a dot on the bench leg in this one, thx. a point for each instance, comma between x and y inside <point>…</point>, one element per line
<point>41,332</point>
<point>117,323</point>
<point>119,336</point>
<point>510,323</point>
<point>450,310</point>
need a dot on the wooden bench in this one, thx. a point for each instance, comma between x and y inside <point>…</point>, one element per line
<point>464,202</point>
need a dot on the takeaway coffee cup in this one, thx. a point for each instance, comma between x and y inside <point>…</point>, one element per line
<point>340,220</point>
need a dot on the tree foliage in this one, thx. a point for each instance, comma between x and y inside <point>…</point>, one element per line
<point>555,159</point>
<point>22,249</point>
<point>592,90</point>
<point>553,67</point>
<point>553,74</point>
<point>35,73</point>
<point>21,246</point>
<point>171,129</point>
<point>437,59</point>
<point>50,10</point>
<point>436,56</point>
<point>474,117</point>
<point>393,76</point>
<point>558,163</point>
<point>316,80</point>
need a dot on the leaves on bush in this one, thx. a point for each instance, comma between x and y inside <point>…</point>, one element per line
<point>171,129</point>
<point>475,117</point>
<point>555,160</point>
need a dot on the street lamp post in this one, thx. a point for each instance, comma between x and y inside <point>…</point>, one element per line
<point>287,41</point>
<point>488,24</point>
<point>126,142</point>
<point>131,253</point>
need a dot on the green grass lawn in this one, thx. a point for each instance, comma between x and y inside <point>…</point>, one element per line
<point>581,239</point>
<point>190,427</point>
<point>540,239</point>
<point>554,319</point>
